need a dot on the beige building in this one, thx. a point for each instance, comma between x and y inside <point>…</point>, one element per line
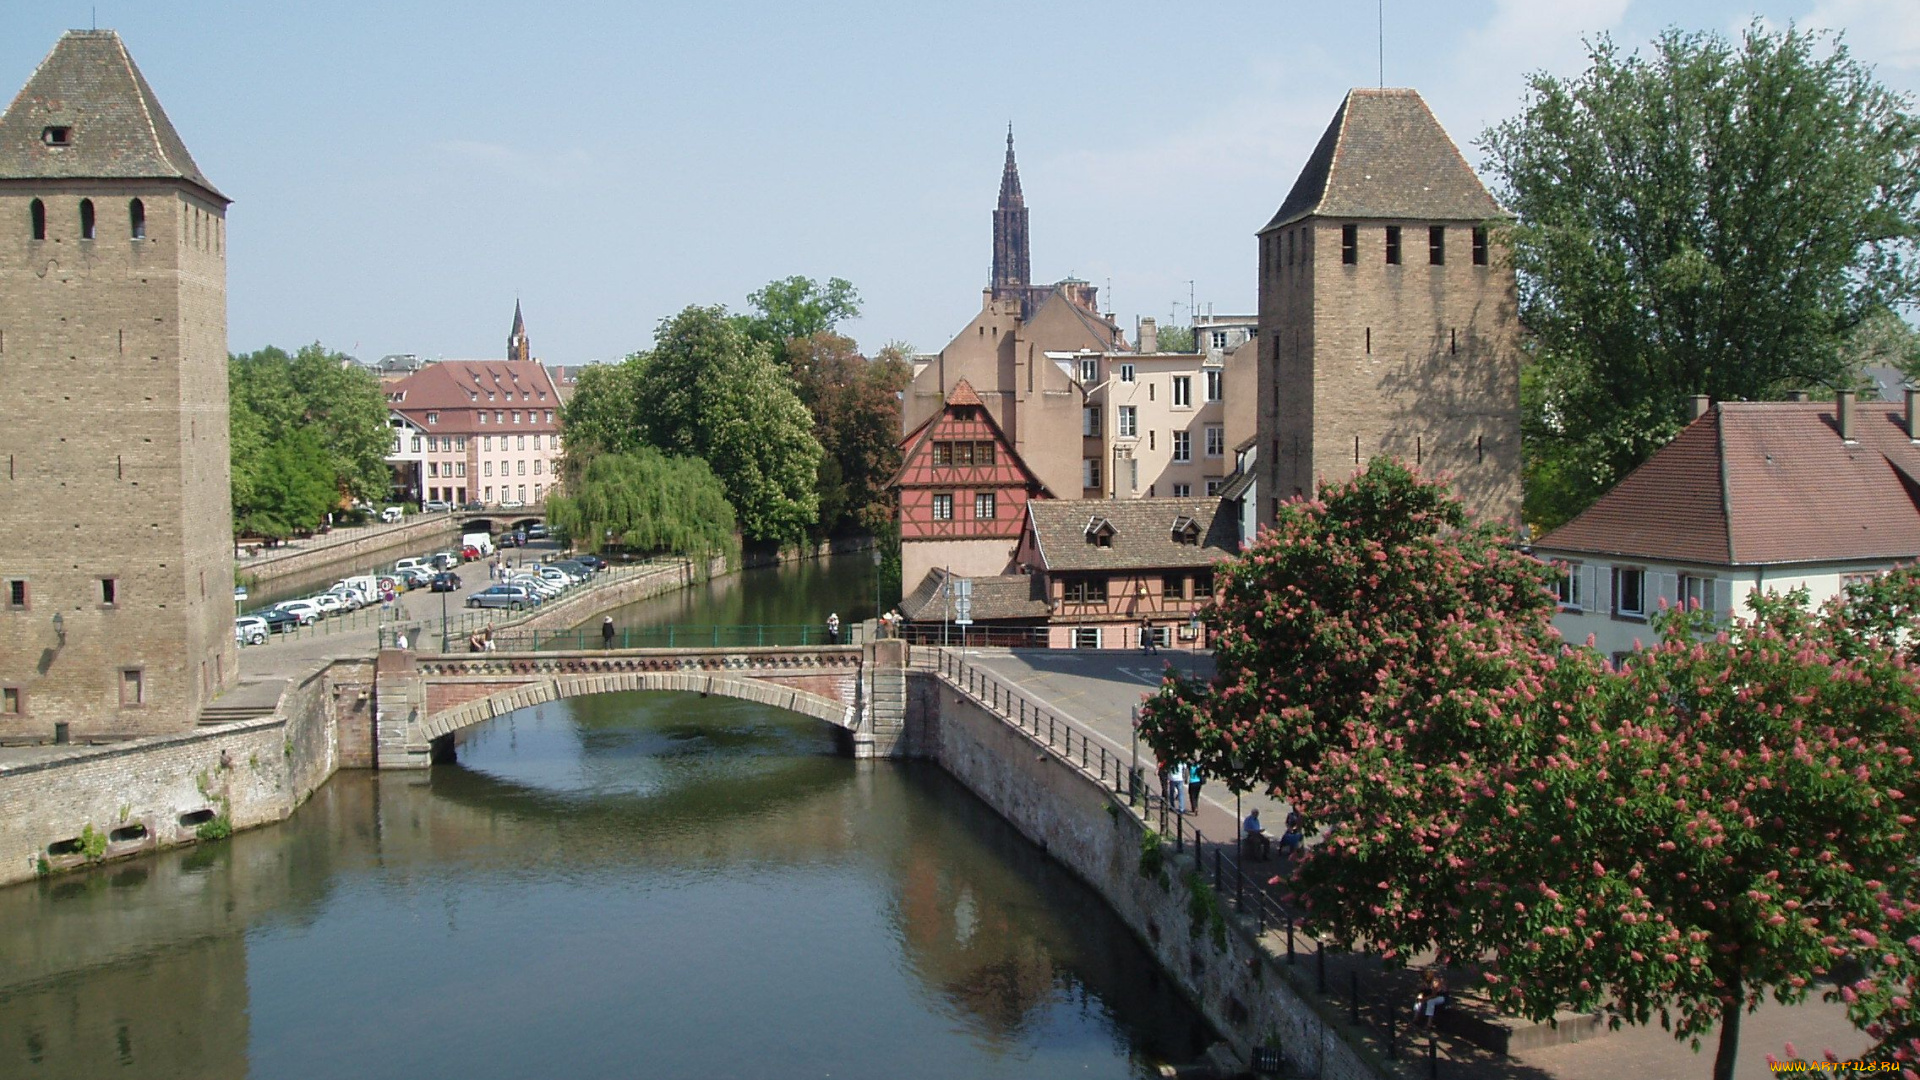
<point>117,610</point>
<point>1154,425</point>
<point>1388,319</point>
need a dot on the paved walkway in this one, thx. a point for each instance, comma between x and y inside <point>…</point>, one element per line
<point>1098,689</point>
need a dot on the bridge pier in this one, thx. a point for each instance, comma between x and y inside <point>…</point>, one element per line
<point>883,694</point>
<point>399,703</point>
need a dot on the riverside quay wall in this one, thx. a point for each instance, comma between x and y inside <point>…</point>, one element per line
<point>91,804</point>
<point>1238,984</point>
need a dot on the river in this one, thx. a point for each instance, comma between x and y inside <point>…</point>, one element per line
<point>628,885</point>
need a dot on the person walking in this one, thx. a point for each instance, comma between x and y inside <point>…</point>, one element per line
<point>1146,637</point>
<point>1194,780</point>
<point>1177,788</point>
<point>606,632</point>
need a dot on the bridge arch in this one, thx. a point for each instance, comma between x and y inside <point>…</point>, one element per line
<point>526,695</point>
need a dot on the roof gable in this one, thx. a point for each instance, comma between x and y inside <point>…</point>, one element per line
<point>1385,155</point>
<point>1129,534</point>
<point>89,85</point>
<point>490,384</point>
<point>916,447</point>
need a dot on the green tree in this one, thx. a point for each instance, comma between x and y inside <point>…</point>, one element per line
<point>326,408</point>
<point>709,391</point>
<point>799,307</point>
<point>603,415</point>
<point>646,501</point>
<point>1712,218</point>
<point>1176,339</point>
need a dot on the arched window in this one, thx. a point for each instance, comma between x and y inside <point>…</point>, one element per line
<point>137,219</point>
<point>86,219</point>
<point>38,211</point>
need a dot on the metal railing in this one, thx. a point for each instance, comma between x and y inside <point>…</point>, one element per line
<point>749,636</point>
<point>369,617</point>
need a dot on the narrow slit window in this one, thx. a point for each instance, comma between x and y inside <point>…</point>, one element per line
<point>1393,245</point>
<point>1480,245</point>
<point>1349,244</point>
<point>37,211</point>
<point>137,219</point>
<point>1436,245</point>
<point>109,592</point>
<point>86,219</point>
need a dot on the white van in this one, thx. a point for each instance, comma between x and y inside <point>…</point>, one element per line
<point>364,586</point>
<point>479,541</point>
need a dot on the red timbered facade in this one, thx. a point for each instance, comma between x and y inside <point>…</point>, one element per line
<point>963,492</point>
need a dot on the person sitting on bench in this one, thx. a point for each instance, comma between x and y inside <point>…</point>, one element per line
<point>1254,839</point>
<point>1295,836</point>
<point>1432,997</point>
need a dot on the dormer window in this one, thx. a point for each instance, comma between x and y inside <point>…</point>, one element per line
<point>57,135</point>
<point>433,418</point>
<point>1186,531</point>
<point>1099,532</point>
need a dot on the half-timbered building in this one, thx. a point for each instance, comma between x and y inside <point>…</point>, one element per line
<point>1115,570</point>
<point>963,492</point>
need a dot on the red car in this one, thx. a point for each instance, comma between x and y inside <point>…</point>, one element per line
<point>469,553</point>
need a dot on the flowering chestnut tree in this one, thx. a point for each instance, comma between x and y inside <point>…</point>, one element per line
<point>1727,818</point>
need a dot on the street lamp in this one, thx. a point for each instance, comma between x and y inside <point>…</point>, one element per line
<point>877,559</point>
<point>443,623</point>
<point>59,628</point>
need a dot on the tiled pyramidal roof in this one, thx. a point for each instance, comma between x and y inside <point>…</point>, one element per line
<point>1386,156</point>
<point>115,128</point>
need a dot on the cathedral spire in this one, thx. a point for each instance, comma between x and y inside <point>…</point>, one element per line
<point>1010,269</point>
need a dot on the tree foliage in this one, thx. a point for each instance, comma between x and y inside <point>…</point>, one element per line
<point>646,501</point>
<point>799,307</point>
<point>856,418</point>
<point>1726,818</point>
<point>306,431</point>
<point>1713,217</point>
<point>1176,339</point>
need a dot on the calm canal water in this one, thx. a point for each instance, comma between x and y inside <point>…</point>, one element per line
<point>796,594</point>
<point>631,885</point>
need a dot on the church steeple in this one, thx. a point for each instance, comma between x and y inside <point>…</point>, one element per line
<point>1010,269</point>
<point>518,347</point>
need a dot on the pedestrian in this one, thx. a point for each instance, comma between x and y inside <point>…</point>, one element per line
<point>1177,788</point>
<point>606,632</point>
<point>1432,997</point>
<point>1147,644</point>
<point>833,629</point>
<point>1194,780</point>
<point>400,640</point>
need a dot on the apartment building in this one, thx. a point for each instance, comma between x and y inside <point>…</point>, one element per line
<point>1154,423</point>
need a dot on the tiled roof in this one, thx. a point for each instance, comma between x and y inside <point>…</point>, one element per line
<point>1757,483</point>
<point>117,130</point>
<point>1386,156</point>
<point>962,394</point>
<point>465,384</point>
<point>995,599</point>
<point>1143,533</point>
<point>1236,486</point>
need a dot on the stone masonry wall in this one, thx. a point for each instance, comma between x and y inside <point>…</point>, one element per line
<point>426,532</point>
<point>1240,989</point>
<point>252,772</point>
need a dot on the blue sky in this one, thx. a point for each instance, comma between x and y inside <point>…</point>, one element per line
<point>402,171</point>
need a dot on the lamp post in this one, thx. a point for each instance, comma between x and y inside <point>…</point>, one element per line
<point>1133,776</point>
<point>443,623</point>
<point>60,628</point>
<point>877,612</point>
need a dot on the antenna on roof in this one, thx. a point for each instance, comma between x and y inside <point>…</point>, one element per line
<point>1380,10</point>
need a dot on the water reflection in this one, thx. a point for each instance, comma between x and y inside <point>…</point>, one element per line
<point>797,594</point>
<point>636,884</point>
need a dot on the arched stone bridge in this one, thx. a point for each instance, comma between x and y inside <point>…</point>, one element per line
<point>422,701</point>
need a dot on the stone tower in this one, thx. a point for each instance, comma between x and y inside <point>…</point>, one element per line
<point>118,608</point>
<point>518,348</point>
<point>1011,273</point>
<point>1388,317</point>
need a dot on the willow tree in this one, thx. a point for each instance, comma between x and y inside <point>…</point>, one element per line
<point>646,501</point>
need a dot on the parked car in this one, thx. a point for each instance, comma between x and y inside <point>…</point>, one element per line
<point>349,598</point>
<point>578,570</point>
<point>507,540</point>
<point>278,620</point>
<point>502,596</point>
<point>250,630</point>
<point>538,586</point>
<point>328,603</point>
<point>536,531</point>
<point>415,577</point>
<point>304,610</point>
<point>592,560</point>
<point>469,553</point>
<point>392,514</point>
<point>511,504</point>
<point>412,561</point>
<point>446,581</point>
<point>475,504</point>
<point>446,560</point>
<point>559,576</point>
<point>435,506</point>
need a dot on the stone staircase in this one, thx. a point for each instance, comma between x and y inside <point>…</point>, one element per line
<point>215,715</point>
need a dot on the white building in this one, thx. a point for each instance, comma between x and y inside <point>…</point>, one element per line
<point>1749,496</point>
<point>1154,423</point>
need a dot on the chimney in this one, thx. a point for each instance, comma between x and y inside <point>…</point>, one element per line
<point>1796,395</point>
<point>1913,409</point>
<point>1843,404</point>
<point>1149,336</point>
<point>1698,406</point>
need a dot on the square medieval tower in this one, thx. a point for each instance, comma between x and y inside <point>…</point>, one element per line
<point>1388,317</point>
<point>116,590</point>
